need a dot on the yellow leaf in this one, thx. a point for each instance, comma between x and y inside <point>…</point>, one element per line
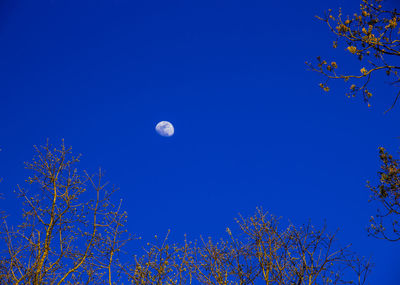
<point>363,70</point>
<point>352,49</point>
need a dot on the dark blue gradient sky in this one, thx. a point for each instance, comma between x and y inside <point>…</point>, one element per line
<point>252,126</point>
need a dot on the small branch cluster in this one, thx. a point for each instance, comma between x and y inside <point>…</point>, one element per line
<point>385,224</point>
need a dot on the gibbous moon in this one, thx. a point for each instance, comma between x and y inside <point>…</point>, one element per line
<point>165,129</point>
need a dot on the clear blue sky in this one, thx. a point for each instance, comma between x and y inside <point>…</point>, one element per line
<point>252,126</point>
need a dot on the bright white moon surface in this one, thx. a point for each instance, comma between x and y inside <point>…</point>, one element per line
<point>165,129</point>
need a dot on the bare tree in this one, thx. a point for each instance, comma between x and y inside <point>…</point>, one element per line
<point>66,236</point>
<point>300,255</point>
<point>372,35</point>
<point>261,252</point>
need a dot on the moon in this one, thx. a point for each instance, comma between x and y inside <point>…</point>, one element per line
<point>165,129</point>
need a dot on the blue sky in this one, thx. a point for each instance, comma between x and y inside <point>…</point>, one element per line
<point>252,127</point>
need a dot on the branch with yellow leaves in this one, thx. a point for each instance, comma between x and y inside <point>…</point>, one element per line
<point>373,37</point>
<point>385,224</point>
